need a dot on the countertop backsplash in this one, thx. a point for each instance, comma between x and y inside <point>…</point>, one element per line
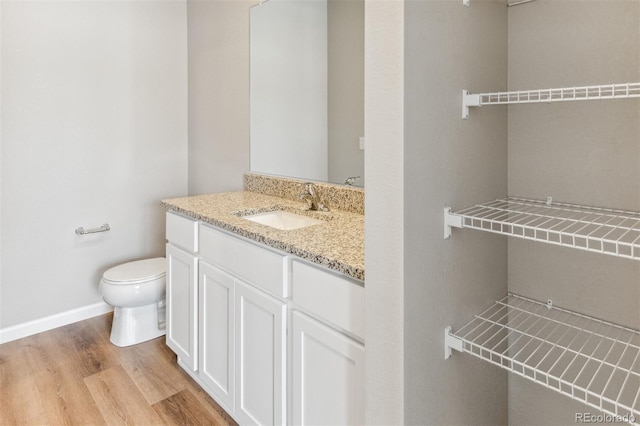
<point>341,197</point>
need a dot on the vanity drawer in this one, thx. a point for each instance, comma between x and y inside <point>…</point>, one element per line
<point>335,298</point>
<point>182,232</point>
<point>251,263</point>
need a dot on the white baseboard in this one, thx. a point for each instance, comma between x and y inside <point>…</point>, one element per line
<point>54,321</point>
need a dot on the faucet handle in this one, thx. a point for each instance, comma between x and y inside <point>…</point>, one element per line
<point>307,194</point>
<point>323,207</point>
<point>307,190</point>
<point>312,196</point>
<point>351,180</point>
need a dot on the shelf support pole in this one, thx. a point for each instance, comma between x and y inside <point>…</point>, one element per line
<point>451,219</point>
<point>469,101</point>
<point>451,342</point>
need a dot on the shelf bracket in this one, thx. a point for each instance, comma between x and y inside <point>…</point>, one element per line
<point>451,342</point>
<point>451,220</point>
<point>469,100</point>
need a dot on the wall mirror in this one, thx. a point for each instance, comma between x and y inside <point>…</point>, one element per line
<point>307,89</point>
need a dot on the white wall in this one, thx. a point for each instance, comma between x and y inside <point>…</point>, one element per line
<point>384,204</point>
<point>218,94</point>
<point>94,130</point>
<point>1,164</point>
<point>289,88</point>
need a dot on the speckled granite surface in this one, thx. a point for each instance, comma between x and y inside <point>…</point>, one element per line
<point>337,244</point>
<point>341,197</point>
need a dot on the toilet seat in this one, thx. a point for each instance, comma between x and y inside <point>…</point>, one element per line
<point>136,272</point>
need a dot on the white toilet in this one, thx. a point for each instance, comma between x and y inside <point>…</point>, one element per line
<point>137,292</point>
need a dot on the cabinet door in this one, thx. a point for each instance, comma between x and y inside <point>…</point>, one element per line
<point>328,375</point>
<point>182,305</point>
<point>216,357</point>
<point>260,357</point>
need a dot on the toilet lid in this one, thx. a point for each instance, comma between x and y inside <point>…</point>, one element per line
<point>139,270</point>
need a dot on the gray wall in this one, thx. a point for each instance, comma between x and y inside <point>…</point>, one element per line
<point>450,161</point>
<point>582,152</point>
<point>94,130</point>
<point>218,94</point>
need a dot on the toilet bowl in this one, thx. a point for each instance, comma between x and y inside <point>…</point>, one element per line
<point>136,290</point>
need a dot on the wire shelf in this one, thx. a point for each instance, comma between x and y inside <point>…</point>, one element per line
<point>589,360</point>
<point>583,93</point>
<point>611,91</point>
<point>606,231</point>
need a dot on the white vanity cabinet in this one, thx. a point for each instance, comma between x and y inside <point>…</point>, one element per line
<point>327,375</point>
<point>182,289</point>
<point>217,333</point>
<point>242,347</point>
<point>279,340</point>
<point>243,326</point>
<point>260,357</point>
<point>327,370</point>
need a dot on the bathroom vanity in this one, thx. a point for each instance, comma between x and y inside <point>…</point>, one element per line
<point>269,322</point>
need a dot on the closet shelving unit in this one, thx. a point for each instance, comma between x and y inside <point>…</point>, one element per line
<point>606,231</point>
<point>585,358</point>
<point>564,94</point>
<point>589,360</point>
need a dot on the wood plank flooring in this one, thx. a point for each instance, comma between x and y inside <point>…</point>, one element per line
<point>73,375</point>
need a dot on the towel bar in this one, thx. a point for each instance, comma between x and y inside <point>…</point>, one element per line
<point>81,231</point>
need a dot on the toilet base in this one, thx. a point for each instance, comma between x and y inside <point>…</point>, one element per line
<point>136,325</point>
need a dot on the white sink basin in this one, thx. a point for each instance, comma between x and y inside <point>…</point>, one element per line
<point>283,220</point>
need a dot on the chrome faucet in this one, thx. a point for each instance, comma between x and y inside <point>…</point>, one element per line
<point>351,180</point>
<point>312,197</point>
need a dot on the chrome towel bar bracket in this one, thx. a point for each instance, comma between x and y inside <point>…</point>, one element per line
<point>81,231</point>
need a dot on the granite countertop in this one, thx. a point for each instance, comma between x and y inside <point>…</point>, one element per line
<point>337,244</point>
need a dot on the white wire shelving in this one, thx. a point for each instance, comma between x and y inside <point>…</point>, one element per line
<point>587,359</point>
<point>564,94</point>
<point>599,230</point>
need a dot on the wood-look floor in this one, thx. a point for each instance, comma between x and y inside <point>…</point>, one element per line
<point>73,375</point>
